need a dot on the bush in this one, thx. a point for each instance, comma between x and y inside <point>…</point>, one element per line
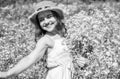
<point>94,34</point>
<point>17,40</point>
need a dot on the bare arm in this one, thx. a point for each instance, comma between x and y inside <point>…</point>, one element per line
<point>27,61</point>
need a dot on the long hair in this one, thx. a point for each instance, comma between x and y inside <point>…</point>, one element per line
<point>39,32</point>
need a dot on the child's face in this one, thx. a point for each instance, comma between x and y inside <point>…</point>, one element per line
<point>47,21</point>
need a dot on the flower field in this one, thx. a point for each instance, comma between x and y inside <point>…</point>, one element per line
<point>94,33</point>
<point>93,36</point>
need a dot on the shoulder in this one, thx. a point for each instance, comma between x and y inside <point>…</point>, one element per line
<point>44,41</point>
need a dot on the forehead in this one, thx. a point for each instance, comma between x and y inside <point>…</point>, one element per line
<point>44,13</point>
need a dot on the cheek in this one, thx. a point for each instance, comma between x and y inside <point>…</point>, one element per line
<point>41,24</point>
<point>56,22</point>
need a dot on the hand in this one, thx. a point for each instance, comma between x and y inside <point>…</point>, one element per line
<point>82,61</point>
<point>3,75</point>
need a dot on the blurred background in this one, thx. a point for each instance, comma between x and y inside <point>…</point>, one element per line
<point>9,2</point>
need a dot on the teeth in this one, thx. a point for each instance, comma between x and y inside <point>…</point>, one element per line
<point>45,25</point>
<point>51,22</point>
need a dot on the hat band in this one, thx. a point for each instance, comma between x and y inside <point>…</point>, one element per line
<point>44,8</point>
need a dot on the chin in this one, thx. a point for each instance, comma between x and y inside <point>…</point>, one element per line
<point>50,30</point>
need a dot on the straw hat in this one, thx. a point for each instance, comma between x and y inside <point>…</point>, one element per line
<point>43,6</point>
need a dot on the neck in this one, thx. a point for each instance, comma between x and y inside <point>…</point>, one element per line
<point>54,36</point>
<point>54,33</point>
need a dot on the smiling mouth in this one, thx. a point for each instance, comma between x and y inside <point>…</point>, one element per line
<point>50,23</point>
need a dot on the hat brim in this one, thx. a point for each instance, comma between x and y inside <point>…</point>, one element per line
<point>33,16</point>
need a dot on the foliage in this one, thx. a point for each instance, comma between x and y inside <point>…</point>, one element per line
<point>17,39</point>
<point>4,3</point>
<point>93,34</point>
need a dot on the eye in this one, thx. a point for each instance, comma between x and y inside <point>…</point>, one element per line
<point>41,19</point>
<point>49,16</point>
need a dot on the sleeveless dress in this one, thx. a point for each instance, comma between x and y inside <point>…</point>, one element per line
<point>59,62</point>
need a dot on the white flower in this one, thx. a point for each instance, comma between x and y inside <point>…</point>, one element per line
<point>115,64</point>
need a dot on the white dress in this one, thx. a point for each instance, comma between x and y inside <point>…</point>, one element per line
<point>59,62</point>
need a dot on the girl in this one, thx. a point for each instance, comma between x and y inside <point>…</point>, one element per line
<point>50,32</point>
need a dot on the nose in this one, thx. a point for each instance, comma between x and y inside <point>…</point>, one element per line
<point>46,22</point>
